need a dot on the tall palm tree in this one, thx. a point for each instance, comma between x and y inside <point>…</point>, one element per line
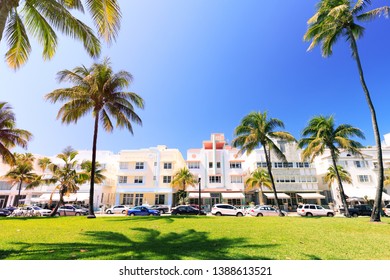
<point>27,158</point>
<point>100,91</point>
<point>257,129</point>
<point>21,174</point>
<point>181,179</point>
<point>259,179</point>
<point>335,19</point>
<point>10,136</point>
<point>321,133</point>
<point>44,163</point>
<point>331,175</point>
<point>40,19</point>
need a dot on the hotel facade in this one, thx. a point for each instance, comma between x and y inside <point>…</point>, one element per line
<point>143,177</point>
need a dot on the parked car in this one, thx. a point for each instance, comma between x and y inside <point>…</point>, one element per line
<point>32,211</point>
<point>10,208</point>
<point>310,210</point>
<point>142,211</point>
<point>162,208</point>
<point>358,210</point>
<point>264,210</point>
<point>70,210</point>
<point>226,210</point>
<point>186,210</point>
<point>117,209</point>
<point>386,210</point>
<point>4,212</point>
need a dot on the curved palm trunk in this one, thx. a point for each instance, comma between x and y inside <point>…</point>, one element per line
<point>59,203</point>
<point>268,160</point>
<point>19,191</point>
<point>341,189</point>
<point>375,216</point>
<point>92,187</point>
<point>5,7</point>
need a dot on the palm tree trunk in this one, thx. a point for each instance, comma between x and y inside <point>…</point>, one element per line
<point>92,187</point>
<point>375,216</point>
<point>5,7</point>
<point>341,189</point>
<point>268,160</point>
<point>261,194</point>
<point>60,202</point>
<point>19,191</point>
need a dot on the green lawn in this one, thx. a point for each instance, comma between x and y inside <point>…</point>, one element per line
<point>204,238</point>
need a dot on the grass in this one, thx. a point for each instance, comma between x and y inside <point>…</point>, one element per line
<point>203,238</point>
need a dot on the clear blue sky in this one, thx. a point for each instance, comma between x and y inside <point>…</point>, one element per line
<point>201,66</point>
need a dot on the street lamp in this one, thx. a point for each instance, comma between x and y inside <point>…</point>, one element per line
<point>200,201</point>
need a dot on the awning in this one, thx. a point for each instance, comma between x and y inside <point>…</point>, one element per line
<point>71,197</point>
<point>311,195</point>
<point>362,193</point>
<point>196,195</point>
<point>232,195</point>
<point>280,195</point>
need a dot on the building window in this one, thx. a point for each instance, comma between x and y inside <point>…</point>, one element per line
<point>215,179</point>
<point>363,178</point>
<point>167,165</point>
<point>139,165</point>
<point>234,201</point>
<point>210,165</point>
<point>306,164</point>
<point>218,164</point>
<point>193,165</point>
<point>261,164</point>
<point>359,164</point>
<point>122,179</point>
<point>139,199</point>
<point>123,165</point>
<point>236,179</point>
<point>128,199</point>
<point>167,179</point>
<point>159,199</point>
<point>138,180</point>
<point>235,165</point>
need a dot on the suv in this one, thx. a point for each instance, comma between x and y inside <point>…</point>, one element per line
<point>70,210</point>
<point>226,210</point>
<point>358,210</point>
<point>386,210</point>
<point>310,210</point>
<point>117,209</point>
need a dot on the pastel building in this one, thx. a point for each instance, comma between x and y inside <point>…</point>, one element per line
<point>144,176</point>
<point>221,172</point>
<point>295,179</point>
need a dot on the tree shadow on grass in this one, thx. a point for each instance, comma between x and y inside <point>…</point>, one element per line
<point>167,219</point>
<point>147,244</point>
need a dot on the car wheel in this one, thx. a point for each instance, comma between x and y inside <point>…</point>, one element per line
<point>309,215</point>
<point>124,212</point>
<point>355,215</point>
<point>150,214</point>
<point>331,215</point>
<point>77,214</point>
<point>282,215</point>
<point>259,215</point>
<point>218,214</point>
<point>239,214</point>
<point>38,214</point>
<point>162,212</point>
<point>132,214</point>
<point>109,212</point>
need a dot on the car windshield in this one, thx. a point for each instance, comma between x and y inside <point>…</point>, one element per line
<point>36,208</point>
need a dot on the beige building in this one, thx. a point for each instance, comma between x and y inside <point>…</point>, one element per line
<point>144,176</point>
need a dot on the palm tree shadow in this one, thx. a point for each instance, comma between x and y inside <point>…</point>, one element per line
<point>148,244</point>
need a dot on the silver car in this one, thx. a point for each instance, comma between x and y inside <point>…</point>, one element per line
<point>264,210</point>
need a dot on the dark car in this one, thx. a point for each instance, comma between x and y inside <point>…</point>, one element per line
<point>162,208</point>
<point>142,211</point>
<point>4,212</point>
<point>186,210</point>
<point>359,210</point>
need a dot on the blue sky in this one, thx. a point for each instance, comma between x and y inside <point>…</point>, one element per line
<point>201,66</point>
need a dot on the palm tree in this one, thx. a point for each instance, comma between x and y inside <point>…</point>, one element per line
<point>27,158</point>
<point>44,163</point>
<point>387,177</point>
<point>181,179</point>
<point>64,175</point>
<point>21,174</point>
<point>9,135</point>
<point>331,175</point>
<point>257,129</point>
<point>40,18</point>
<point>87,167</point>
<point>259,179</point>
<point>335,19</point>
<point>322,134</point>
<point>100,91</point>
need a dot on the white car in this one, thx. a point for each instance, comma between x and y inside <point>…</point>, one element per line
<point>265,210</point>
<point>386,210</point>
<point>34,211</point>
<point>226,210</point>
<point>310,210</point>
<point>117,209</point>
